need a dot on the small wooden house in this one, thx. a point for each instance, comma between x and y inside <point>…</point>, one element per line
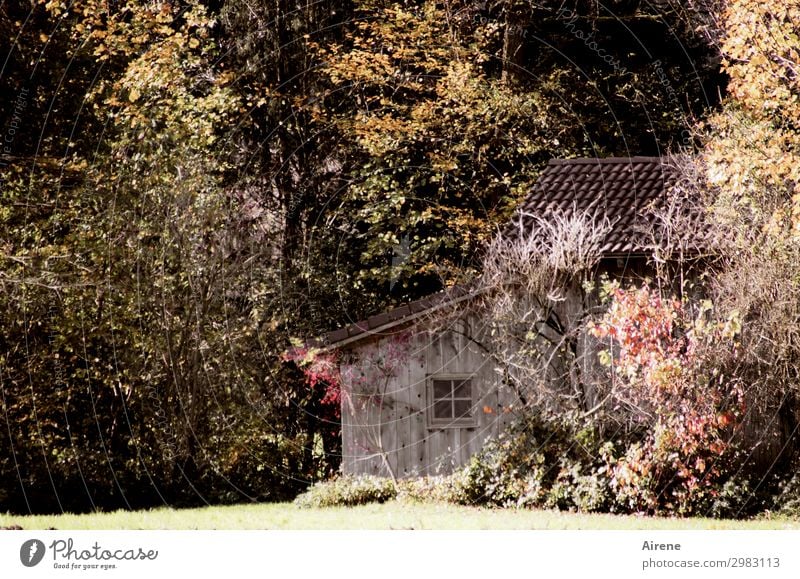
<point>420,399</point>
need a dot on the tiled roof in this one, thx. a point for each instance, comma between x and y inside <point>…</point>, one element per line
<point>624,190</point>
<point>627,191</point>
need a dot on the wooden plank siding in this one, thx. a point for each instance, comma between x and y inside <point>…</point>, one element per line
<point>411,446</point>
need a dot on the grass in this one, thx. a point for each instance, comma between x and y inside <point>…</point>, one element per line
<point>390,515</point>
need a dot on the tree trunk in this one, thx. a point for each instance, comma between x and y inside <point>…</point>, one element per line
<point>517,18</point>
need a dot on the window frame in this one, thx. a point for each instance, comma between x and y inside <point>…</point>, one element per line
<point>434,423</point>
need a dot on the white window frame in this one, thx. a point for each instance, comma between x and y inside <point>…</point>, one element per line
<point>470,421</point>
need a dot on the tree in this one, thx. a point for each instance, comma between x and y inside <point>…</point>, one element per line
<point>144,272</point>
<point>447,113</point>
<point>751,169</point>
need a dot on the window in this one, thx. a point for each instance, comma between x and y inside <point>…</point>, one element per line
<point>450,401</point>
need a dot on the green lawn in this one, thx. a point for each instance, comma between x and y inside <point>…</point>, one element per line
<point>391,515</point>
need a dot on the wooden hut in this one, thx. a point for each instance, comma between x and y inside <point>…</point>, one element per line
<point>419,397</point>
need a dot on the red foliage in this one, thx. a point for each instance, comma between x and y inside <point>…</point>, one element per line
<point>661,370</point>
<point>321,371</point>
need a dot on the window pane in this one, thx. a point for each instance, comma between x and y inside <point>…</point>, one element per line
<point>442,409</point>
<point>442,389</point>
<point>462,408</point>
<point>463,389</point>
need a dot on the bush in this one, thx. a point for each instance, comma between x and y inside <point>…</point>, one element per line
<point>535,464</point>
<point>572,490</point>
<point>734,499</point>
<point>786,500</point>
<point>348,491</point>
<point>508,471</point>
<point>431,489</point>
<point>261,467</point>
<point>665,362</point>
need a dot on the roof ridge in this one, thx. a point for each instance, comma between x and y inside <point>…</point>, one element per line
<point>595,160</point>
<point>377,324</point>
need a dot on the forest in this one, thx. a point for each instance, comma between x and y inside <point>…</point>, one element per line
<point>188,188</point>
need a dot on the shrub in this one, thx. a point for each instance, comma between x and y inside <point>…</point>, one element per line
<point>508,471</point>
<point>573,490</point>
<point>431,489</point>
<point>262,467</point>
<point>786,500</point>
<point>666,370</point>
<point>535,463</point>
<point>348,491</point>
<point>734,499</point>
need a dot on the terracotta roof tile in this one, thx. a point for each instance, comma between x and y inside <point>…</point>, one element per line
<point>625,190</point>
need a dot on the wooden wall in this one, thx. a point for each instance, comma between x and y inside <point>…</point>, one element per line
<point>383,412</point>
